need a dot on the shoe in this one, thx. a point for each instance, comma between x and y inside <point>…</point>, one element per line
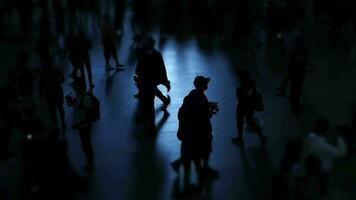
<point>175,165</point>
<point>166,103</point>
<point>237,141</point>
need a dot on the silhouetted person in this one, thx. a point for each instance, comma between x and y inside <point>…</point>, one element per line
<point>51,89</point>
<point>43,48</point>
<point>247,97</point>
<point>311,184</point>
<point>297,68</point>
<point>151,72</point>
<point>109,40</point>
<point>86,45</point>
<point>82,103</point>
<point>281,187</point>
<point>22,77</point>
<point>75,52</point>
<point>11,115</point>
<point>46,167</point>
<point>195,131</point>
<point>316,144</point>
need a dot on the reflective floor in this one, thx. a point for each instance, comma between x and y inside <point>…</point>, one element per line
<point>132,165</point>
<point>129,164</point>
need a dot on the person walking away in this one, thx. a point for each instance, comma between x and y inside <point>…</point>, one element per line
<point>82,103</point>
<point>51,90</point>
<point>247,98</point>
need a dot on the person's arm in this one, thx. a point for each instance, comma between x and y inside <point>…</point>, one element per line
<point>338,151</point>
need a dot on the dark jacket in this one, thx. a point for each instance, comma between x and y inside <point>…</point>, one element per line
<point>151,69</point>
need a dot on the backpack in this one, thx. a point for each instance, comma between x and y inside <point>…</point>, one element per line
<point>94,112</point>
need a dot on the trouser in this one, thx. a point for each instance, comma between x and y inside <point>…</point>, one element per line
<point>242,115</point>
<point>85,139</point>
<point>110,51</point>
<point>80,65</point>
<point>147,96</point>
<point>53,108</point>
<point>160,95</point>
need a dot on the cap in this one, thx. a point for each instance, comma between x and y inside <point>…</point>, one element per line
<point>201,80</point>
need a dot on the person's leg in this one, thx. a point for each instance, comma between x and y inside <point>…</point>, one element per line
<point>60,109</point>
<point>52,108</point>
<point>107,58</point>
<point>199,170</point>
<point>114,55</point>
<point>240,127</point>
<point>75,66</point>
<point>166,100</point>
<point>87,64</point>
<point>85,139</point>
<point>187,174</point>
<point>255,127</point>
<point>160,95</point>
<point>148,107</point>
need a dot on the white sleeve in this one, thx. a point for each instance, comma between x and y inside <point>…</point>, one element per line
<point>337,151</point>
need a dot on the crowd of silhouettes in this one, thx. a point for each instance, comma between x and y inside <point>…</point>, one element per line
<point>305,165</point>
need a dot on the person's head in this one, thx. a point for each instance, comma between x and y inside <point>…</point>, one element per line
<point>244,75</point>
<point>148,43</point>
<point>201,83</point>
<point>321,126</point>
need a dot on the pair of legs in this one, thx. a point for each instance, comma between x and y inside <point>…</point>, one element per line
<point>77,64</point>
<point>147,101</point>
<point>110,51</point>
<point>85,139</point>
<point>53,108</point>
<point>165,99</point>
<point>241,116</point>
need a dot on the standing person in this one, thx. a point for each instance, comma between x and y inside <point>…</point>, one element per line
<point>75,53</point>
<point>247,98</point>
<point>317,144</point>
<point>195,130</point>
<point>51,89</point>
<point>109,39</point>
<point>86,45</point>
<point>151,72</point>
<point>297,67</point>
<point>82,103</point>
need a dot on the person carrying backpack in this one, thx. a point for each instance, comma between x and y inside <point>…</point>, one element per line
<point>249,101</point>
<point>86,110</point>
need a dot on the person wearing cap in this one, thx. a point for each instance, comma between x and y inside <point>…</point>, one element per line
<point>246,109</point>
<point>196,129</point>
